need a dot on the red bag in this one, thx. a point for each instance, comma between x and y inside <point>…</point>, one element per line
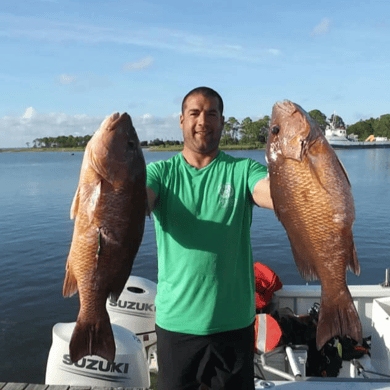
<point>266,283</point>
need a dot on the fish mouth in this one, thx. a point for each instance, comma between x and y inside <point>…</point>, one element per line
<point>287,107</point>
<point>119,119</point>
<point>112,122</point>
<point>115,116</point>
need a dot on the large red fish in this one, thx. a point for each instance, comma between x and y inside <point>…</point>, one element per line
<point>109,210</point>
<point>313,200</point>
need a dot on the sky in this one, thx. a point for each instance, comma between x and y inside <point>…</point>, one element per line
<point>66,65</point>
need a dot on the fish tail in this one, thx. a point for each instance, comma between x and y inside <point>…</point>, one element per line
<point>338,317</point>
<point>92,338</point>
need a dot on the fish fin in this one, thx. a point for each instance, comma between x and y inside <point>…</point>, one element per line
<point>113,297</point>
<point>100,168</point>
<point>107,243</point>
<point>338,318</point>
<point>307,271</point>
<point>92,338</point>
<point>353,263</point>
<point>70,284</point>
<point>92,200</point>
<point>75,204</point>
<point>344,170</point>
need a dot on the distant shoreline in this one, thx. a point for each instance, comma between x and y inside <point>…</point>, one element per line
<point>18,150</point>
<point>170,148</point>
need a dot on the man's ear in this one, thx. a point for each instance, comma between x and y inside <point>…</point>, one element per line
<point>222,121</point>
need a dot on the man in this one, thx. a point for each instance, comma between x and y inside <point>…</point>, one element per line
<point>202,202</point>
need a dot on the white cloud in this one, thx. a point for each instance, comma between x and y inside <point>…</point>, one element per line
<point>55,31</point>
<point>146,117</point>
<point>150,127</point>
<point>67,79</point>
<point>275,52</point>
<point>29,113</point>
<point>16,131</point>
<point>143,63</point>
<point>83,81</point>
<point>234,47</point>
<point>322,27</point>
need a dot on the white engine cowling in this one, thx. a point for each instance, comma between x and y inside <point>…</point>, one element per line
<point>129,369</point>
<point>135,309</point>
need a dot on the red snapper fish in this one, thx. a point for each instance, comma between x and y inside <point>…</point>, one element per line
<point>312,199</point>
<point>109,211</point>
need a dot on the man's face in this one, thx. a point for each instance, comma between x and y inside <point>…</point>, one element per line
<point>202,124</point>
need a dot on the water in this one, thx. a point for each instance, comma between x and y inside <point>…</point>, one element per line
<point>35,233</point>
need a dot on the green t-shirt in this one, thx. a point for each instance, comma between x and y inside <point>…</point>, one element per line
<point>205,266</point>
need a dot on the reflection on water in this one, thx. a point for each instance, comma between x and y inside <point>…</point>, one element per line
<point>36,193</point>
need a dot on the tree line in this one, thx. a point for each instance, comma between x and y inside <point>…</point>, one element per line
<point>61,142</point>
<point>250,132</point>
<point>379,127</point>
<point>246,132</point>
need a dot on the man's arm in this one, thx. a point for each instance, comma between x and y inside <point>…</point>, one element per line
<point>152,197</point>
<point>262,194</point>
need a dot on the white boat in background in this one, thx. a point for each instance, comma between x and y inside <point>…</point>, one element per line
<point>333,133</point>
<point>338,138</point>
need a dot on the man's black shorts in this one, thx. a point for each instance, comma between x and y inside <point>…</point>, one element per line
<point>219,361</point>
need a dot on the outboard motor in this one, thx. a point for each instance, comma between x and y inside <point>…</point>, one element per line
<point>135,311</point>
<point>129,369</point>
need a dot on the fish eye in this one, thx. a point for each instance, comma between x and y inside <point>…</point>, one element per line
<point>131,144</point>
<point>275,130</point>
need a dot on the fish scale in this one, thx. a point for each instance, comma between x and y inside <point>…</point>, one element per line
<point>313,201</point>
<point>109,210</point>
<point>314,225</point>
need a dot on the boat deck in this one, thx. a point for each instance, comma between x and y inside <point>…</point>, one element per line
<point>325,384</point>
<point>29,386</point>
<point>259,385</point>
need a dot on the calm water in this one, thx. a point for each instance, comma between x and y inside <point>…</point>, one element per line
<point>35,233</point>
